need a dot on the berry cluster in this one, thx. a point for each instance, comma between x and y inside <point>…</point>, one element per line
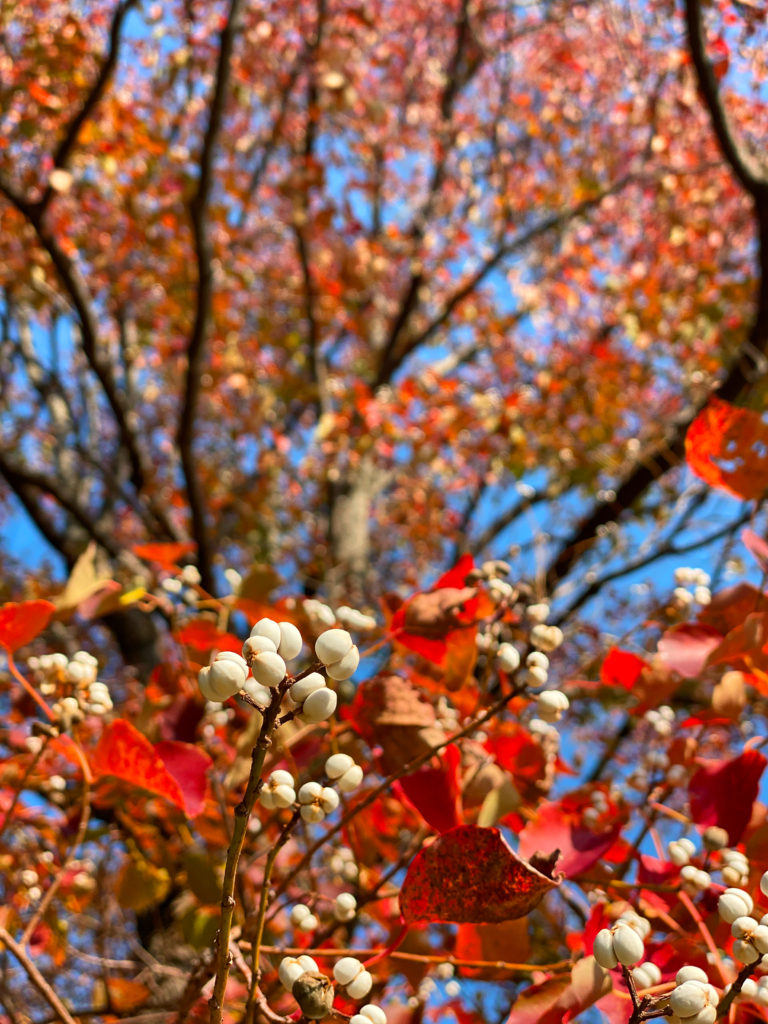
<point>75,681</point>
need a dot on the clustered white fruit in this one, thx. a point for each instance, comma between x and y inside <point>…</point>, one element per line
<point>550,705</point>
<point>646,975</point>
<point>302,918</point>
<point>279,790</point>
<point>56,673</point>
<point>351,975</point>
<point>316,801</point>
<point>341,768</point>
<point>693,1000</point>
<point>292,967</point>
<point>680,851</point>
<point>620,944</point>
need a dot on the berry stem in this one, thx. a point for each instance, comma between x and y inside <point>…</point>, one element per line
<point>242,815</point>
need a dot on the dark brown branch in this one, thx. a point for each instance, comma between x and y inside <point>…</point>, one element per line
<point>198,209</point>
<point>394,357</point>
<point>749,172</point>
<point>457,76</point>
<point>69,139</point>
<point>746,369</point>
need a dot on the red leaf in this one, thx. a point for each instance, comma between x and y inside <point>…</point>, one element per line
<point>20,623</point>
<point>723,792</point>
<point>555,827</point>
<point>560,999</point>
<point>203,635</point>
<point>470,874</point>
<point>434,792</point>
<point>188,765</point>
<point>165,554</point>
<point>125,753</point>
<point>728,448</point>
<point>508,941</point>
<point>621,668</point>
<point>686,648</point>
<point>757,547</point>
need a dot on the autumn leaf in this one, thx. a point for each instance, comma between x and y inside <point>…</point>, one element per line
<point>560,999</point>
<point>126,994</point>
<point>21,623</point>
<point>723,792</point>
<point>203,635</point>
<point>434,791</point>
<point>165,554</point>
<point>471,875</point>
<point>557,826</point>
<point>621,668</point>
<point>125,753</point>
<point>686,648</point>
<point>188,765</point>
<point>728,448</point>
<point>508,940</point>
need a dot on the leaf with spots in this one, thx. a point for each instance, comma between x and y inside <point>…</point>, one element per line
<point>470,874</point>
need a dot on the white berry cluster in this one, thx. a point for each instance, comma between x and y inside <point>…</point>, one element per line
<point>321,616</point>
<point>261,669</point>
<point>348,973</point>
<point>351,975</point>
<point>621,944</point>
<point>646,975</point>
<point>695,578</point>
<point>55,673</point>
<point>693,1000</point>
<point>757,991</point>
<point>315,801</point>
<point>305,920</point>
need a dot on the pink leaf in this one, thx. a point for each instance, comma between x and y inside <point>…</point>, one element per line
<point>685,648</point>
<point>757,547</point>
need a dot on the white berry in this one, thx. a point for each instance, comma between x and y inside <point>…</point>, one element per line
<point>332,645</point>
<point>268,669</point>
<point>345,667</point>
<point>337,764</point>
<point>319,705</point>
<point>302,689</point>
<point>268,628</point>
<point>291,641</point>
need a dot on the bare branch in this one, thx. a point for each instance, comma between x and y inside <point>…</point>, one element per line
<point>69,139</point>
<point>749,172</point>
<point>198,209</point>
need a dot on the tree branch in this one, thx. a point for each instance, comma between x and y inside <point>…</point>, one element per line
<point>198,209</point>
<point>749,172</point>
<point>69,139</point>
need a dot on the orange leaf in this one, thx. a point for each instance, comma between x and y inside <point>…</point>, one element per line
<point>20,623</point>
<point>125,753</point>
<point>166,554</point>
<point>471,875</point>
<point>728,448</point>
<point>125,994</point>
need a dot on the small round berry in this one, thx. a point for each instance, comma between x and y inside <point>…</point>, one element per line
<point>546,638</point>
<point>764,883</point>
<point>602,949</point>
<point>329,799</point>
<point>690,973</point>
<point>292,967</point>
<point>508,657</point>
<point>687,999</point>
<point>731,905</point>
<point>332,645</point>
<point>257,692</point>
<point>538,612</point>
<point>268,669</point>
<point>360,986</point>
<point>346,969</point>
<point>537,660</point>
<point>551,704</point>
<point>256,645</point>
<point>268,628</point>
<point>319,705</point>
<point>370,1014</point>
<point>337,764</point>
<point>302,689</point>
<point>627,945</point>
<point>344,906</point>
<point>291,641</point>
<point>309,792</point>
<point>345,667</point>
<point>298,912</point>
<point>350,780</point>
